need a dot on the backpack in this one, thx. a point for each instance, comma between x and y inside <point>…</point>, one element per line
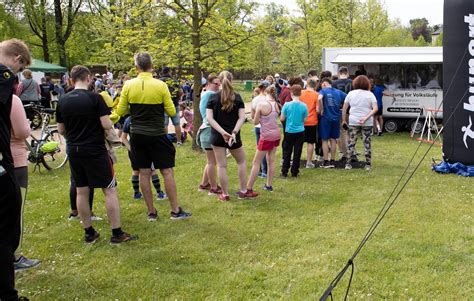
<point>173,87</point>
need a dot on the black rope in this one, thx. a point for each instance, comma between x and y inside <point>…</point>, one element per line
<point>413,157</point>
<point>387,205</point>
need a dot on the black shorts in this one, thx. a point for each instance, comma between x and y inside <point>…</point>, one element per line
<point>152,149</point>
<point>132,161</point>
<point>311,134</point>
<point>218,140</point>
<point>379,111</point>
<point>91,167</point>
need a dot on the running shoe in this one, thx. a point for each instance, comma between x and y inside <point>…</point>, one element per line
<point>215,191</point>
<point>368,167</point>
<point>161,196</point>
<point>203,188</point>
<point>181,214</point>
<point>332,164</point>
<point>262,175</point>
<point>179,143</point>
<point>251,194</point>
<point>73,217</point>
<point>137,195</point>
<point>268,188</point>
<point>224,198</point>
<point>348,166</point>
<point>310,164</point>
<point>96,218</point>
<point>115,240</point>
<point>153,216</point>
<point>24,263</point>
<point>91,238</point>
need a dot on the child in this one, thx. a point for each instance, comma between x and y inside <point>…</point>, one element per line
<point>188,115</point>
<point>294,114</point>
<point>135,179</point>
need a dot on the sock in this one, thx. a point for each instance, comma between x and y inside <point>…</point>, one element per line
<point>135,184</point>
<point>156,182</point>
<point>89,231</point>
<point>117,231</point>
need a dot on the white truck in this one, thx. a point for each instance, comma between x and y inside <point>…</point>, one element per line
<point>413,75</point>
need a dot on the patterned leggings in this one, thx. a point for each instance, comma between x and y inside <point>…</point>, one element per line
<point>366,132</point>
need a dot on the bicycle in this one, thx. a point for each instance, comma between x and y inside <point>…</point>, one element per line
<point>50,148</point>
<point>33,113</point>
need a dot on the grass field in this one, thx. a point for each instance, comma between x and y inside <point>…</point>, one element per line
<point>288,244</point>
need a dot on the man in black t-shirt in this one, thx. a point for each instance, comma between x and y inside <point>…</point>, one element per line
<point>82,117</point>
<point>344,83</point>
<point>45,89</point>
<point>14,57</point>
<point>176,93</point>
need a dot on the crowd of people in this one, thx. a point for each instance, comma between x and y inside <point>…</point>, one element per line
<point>95,113</point>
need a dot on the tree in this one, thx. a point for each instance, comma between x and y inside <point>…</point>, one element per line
<point>37,16</point>
<point>420,27</point>
<point>215,27</point>
<point>65,12</point>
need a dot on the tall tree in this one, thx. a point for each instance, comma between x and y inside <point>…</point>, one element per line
<point>65,12</point>
<point>214,27</point>
<point>37,16</point>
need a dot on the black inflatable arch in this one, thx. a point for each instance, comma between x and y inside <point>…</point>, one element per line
<point>458,51</point>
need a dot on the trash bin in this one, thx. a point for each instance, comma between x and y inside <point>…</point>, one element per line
<point>248,85</point>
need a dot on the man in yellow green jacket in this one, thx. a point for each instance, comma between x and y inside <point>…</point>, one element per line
<point>147,99</point>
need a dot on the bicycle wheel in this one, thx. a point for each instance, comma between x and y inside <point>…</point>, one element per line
<point>35,118</point>
<point>56,158</point>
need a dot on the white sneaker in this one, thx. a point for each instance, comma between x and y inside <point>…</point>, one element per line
<point>310,165</point>
<point>179,143</point>
<point>96,218</point>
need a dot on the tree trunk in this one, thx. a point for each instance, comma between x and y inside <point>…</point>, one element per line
<point>60,42</point>
<point>44,43</point>
<point>197,72</point>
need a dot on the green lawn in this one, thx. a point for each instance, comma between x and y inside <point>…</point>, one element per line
<point>288,244</point>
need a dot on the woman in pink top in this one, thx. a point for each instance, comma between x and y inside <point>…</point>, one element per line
<point>20,131</point>
<point>266,114</point>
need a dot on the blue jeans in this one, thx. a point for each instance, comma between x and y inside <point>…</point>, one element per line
<point>263,166</point>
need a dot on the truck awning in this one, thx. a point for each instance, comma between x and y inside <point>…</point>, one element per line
<point>388,58</point>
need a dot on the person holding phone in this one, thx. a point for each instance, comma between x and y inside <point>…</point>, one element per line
<point>226,114</point>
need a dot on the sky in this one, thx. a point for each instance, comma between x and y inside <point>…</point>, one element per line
<point>404,10</point>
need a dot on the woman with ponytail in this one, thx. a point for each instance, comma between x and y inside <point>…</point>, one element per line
<point>226,114</point>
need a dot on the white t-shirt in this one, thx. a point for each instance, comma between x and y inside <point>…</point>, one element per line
<point>255,101</point>
<point>360,102</point>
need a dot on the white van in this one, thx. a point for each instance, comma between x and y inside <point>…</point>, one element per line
<point>413,75</point>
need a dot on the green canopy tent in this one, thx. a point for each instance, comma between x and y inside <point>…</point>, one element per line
<point>42,66</point>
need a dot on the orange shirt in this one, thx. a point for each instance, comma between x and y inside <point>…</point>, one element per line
<point>310,98</point>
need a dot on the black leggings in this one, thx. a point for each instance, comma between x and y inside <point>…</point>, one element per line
<point>21,174</point>
<point>73,195</point>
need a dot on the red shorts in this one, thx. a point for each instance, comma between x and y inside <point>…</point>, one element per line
<point>265,145</point>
